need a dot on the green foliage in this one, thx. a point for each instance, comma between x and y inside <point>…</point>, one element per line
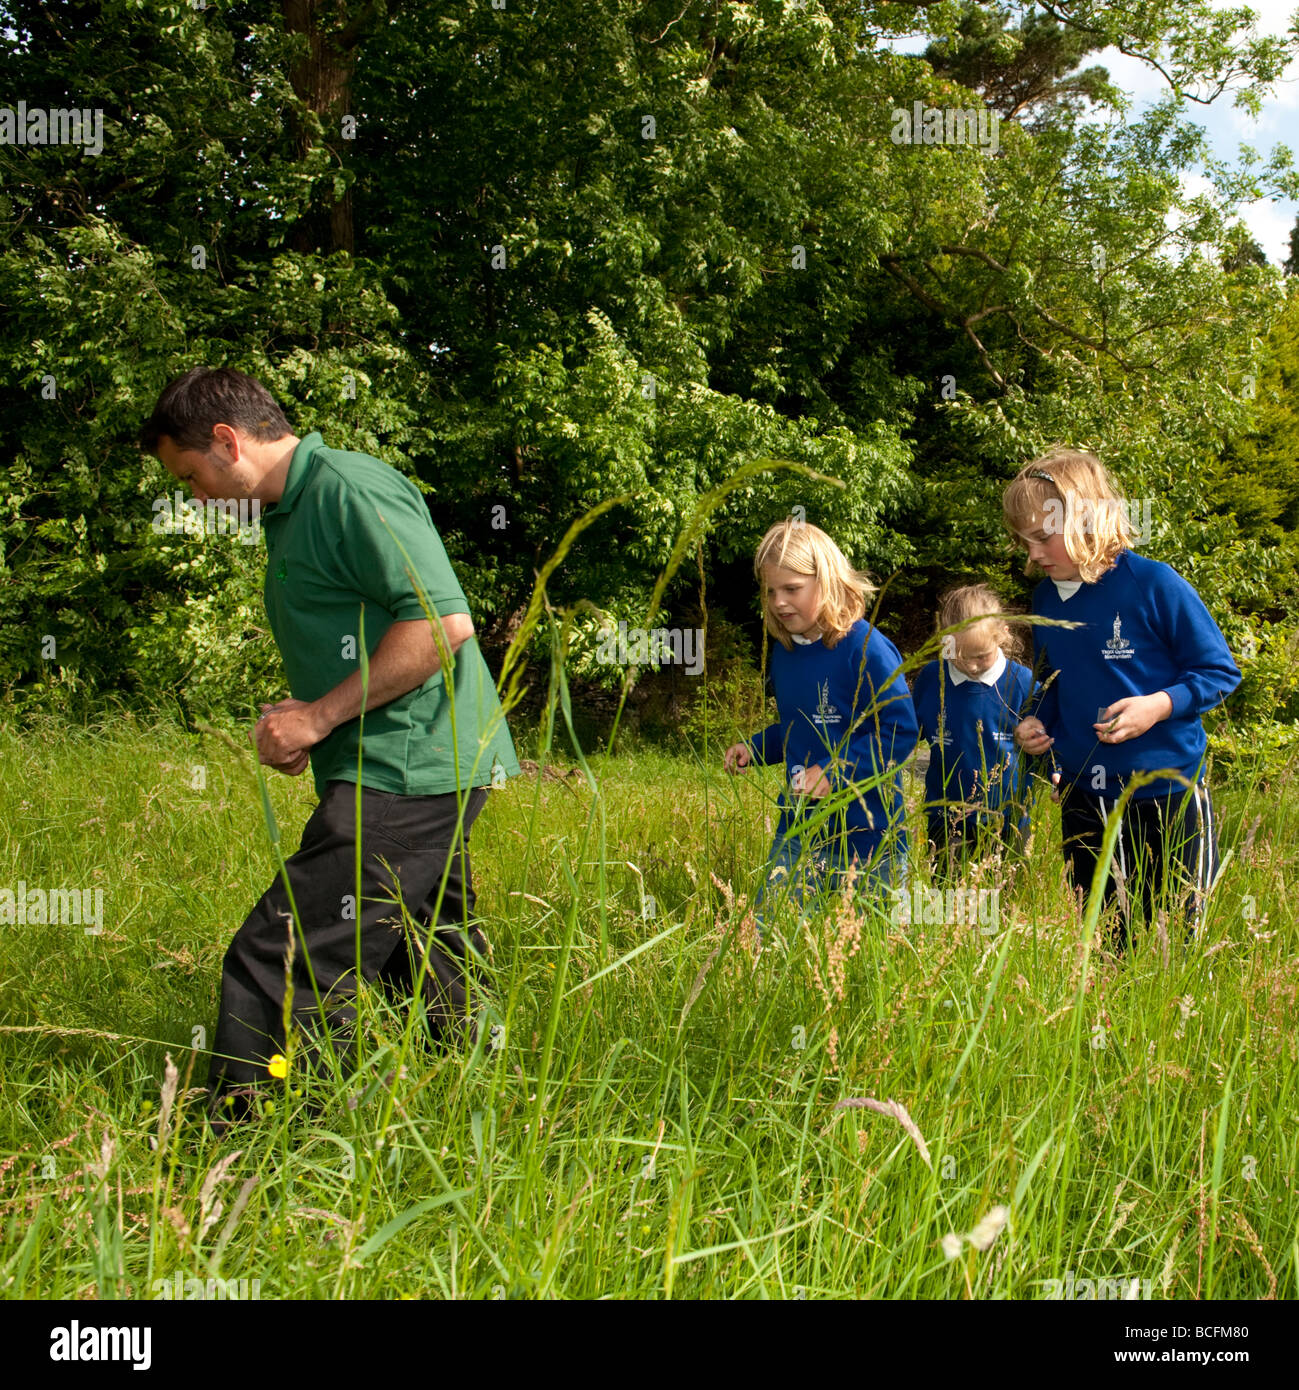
<point>1025,68</point>
<point>1258,472</point>
<point>513,286</point>
<point>731,702</point>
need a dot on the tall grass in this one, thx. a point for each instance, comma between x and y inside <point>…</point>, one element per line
<point>655,1112</point>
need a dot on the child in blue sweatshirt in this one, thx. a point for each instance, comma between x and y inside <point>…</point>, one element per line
<point>1144,663</point>
<point>845,717</point>
<point>968,704</point>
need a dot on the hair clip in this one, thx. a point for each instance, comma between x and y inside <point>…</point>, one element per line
<point>1037,473</point>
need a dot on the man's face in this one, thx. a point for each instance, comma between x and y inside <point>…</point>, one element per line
<point>218,472</point>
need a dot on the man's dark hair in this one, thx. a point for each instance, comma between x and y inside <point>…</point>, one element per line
<point>206,396</point>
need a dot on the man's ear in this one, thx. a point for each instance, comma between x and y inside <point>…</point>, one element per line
<point>225,444</point>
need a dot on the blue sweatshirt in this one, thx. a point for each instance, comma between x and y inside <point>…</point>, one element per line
<point>821,694</point>
<point>1145,629</point>
<point>974,758</point>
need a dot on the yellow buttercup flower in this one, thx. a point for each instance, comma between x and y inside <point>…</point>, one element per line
<point>278,1066</point>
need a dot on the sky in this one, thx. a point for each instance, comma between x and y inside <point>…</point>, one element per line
<point>1226,127</point>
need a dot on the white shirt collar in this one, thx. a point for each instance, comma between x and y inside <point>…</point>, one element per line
<point>1067,588</point>
<point>805,641</point>
<point>990,677</point>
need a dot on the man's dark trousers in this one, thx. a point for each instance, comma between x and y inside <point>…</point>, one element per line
<point>407,844</point>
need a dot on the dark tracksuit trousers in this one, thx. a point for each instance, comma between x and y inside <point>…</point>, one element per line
<point>407,844</point>
<point>1165,856</point>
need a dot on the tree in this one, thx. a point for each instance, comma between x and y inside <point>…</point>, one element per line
<point>1024,71</point>
<point>1243,250</point>
<point>607,249</point>
<point>1291,263</point>
<point>117,271</point>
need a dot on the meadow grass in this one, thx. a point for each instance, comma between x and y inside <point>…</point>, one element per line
<point>651,1109</point>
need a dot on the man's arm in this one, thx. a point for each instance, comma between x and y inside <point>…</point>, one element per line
<point>405,658</point>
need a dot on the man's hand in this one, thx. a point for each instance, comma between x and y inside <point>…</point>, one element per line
<point>1032,737</point>
<point>1132,716</point>
<point>737,757</point>
<point>286,733</point>
<point>810,782</point>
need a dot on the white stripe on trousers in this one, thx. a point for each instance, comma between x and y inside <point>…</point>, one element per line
<point>1205,877</point>
<point>1201,858</point>
<point>1123,859</point>
<point>1211,834</point>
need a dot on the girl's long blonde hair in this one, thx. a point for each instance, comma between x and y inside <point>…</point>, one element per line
<point>1070,491</point>
<point>842,591</point>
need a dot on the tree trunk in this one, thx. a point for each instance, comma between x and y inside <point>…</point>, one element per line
<point>323,80</point>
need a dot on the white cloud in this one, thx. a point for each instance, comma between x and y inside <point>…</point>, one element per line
<point>1274,16</point>
<point>1270,224</point>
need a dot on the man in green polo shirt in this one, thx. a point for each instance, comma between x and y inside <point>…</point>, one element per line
<point>353,562</point>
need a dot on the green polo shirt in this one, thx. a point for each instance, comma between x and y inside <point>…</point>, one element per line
<point>328,553</point>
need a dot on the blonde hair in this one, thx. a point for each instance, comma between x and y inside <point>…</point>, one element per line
<point>803,548</point>
<point>1069,491</point>
<point>976,601</point>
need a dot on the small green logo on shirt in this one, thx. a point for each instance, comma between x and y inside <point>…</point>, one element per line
<point>283,572</point>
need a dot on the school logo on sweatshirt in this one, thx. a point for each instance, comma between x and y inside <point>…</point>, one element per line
<point>943,734</point>
<point>826,713</point>
<point>1118,648</point>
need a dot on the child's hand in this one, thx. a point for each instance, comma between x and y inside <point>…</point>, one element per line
<point>737,757</point>
<point>1132,716</point>
<point>810,782</point>
<point>1031,736</point>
